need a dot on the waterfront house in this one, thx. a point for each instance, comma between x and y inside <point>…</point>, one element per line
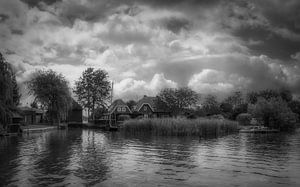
<point>31,115</point>
<point>118,110</point>
<point>151,107</point>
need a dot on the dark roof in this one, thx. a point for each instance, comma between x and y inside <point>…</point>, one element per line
<point>153,102</point>
<point>29,109</point>
<point>118,102</point>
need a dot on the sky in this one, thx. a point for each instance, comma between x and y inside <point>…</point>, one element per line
<point>211,46</point>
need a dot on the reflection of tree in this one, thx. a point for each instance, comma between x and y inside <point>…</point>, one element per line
<point>53,161</point>
<point>8,154</point>
<point>93,158</point>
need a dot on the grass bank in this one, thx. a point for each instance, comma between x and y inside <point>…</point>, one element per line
<point>201,127</point>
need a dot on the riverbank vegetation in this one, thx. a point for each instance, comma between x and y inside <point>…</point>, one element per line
<point>51,90</point>
<point>201,127</point>
<point>9,93</point>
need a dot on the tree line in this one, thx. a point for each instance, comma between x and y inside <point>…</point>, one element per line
<point>51,90</point>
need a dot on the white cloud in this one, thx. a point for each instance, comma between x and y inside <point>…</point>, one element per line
<point>133,89</point>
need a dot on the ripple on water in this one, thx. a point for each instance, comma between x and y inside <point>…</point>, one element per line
<point>91,157</point>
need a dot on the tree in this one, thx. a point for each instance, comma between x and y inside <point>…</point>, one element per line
<point>131,104</point>
<point>274,113</point>
<point>9,93</point>
<point>176,100</point>
<point>211,105</point>
<point>93,90</point>
<point>52,91</point>
<point>235,99</point>
<point>15,91</point>
<point>295,106</point>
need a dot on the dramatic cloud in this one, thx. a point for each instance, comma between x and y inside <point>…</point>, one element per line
<point>213,46</point>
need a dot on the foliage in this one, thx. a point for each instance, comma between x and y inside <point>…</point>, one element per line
<point>52,91</point>
<point>295,106</point>
<point>211,105</point>
<point>131,104</point>
<point>9,92</point>
<point>100,111</point>
<point>235,99</point>
<point>274,113</point>
<point>180,127</point>
<point>244,118</point>
<point>268,94</point>
<point>176,100</point>
<point>93,89</point>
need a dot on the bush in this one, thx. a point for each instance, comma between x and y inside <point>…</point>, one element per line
<point>201,127</point>
<point>244,118</point>
<point>274,113</point>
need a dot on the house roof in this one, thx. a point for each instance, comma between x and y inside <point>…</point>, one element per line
<point>28,109</point>
<point>153,102</point>
<point>118,102</point>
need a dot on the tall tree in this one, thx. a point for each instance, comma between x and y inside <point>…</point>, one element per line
<point>93,90</point>
<point>52,91</point>
<point>9,93</point>
<point>211,105</point>
<point>235,99</point>
<point>178,99</point>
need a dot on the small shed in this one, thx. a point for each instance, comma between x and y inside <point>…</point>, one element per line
<point>75,113</point>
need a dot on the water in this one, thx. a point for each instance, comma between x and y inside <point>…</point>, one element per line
<point>92,157</point>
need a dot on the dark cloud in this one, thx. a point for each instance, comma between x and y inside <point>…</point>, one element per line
<point>17,31</point>
<point>37,3</point>
<point>176,25</point>
<point>3,17</point>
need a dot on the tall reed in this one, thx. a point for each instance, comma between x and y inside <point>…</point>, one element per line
<point>201,127</point>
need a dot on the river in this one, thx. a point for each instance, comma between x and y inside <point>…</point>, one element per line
<point>78,157</point>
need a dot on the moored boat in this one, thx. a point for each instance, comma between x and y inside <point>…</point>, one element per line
<point>258,129</point>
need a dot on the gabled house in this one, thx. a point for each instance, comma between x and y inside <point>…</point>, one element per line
<point>151,107</point>
<point>118,108</point>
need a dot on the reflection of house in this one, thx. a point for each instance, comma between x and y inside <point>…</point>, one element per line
<point>31,115</point>
<point>151,107</point>
<point>75,113</point>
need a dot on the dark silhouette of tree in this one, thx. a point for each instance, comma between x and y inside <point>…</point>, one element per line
<point>274,113</point>
<point>93,90</point>
<point>9,92</point>
<point>211,105</point>
<point>177,99</point>
<point>131,104</point>
<point>52,91</point>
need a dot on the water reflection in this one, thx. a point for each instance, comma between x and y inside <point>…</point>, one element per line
<point>91,157</point>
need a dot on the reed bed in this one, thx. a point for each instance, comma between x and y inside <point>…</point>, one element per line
<point>201,127</point>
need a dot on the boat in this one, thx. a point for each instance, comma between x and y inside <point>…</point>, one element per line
<point>258,129</point>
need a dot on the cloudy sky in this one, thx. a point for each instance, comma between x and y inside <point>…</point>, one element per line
<point>212,46</point>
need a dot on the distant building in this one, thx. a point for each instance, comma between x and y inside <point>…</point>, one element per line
<point>151,107</point>
<point>75,113</point>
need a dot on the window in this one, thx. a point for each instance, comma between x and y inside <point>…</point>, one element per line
<point>123,109</point>
<point>119,109</point>
<point>145,108</point>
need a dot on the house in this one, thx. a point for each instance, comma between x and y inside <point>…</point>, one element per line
<point>31,115</point>
<point>118,110</point>
<point>151,107</point>
<point>75,113</point>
